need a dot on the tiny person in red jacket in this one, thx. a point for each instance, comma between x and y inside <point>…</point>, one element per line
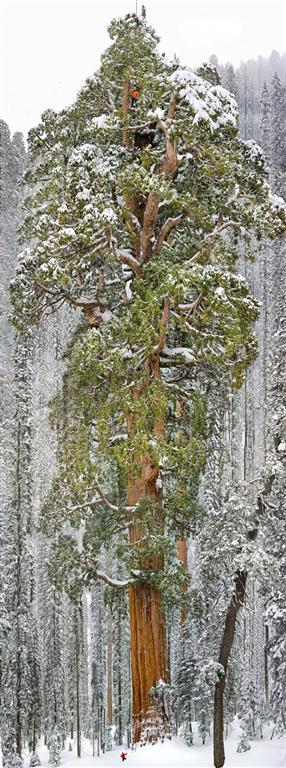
<point>134,96</point>
<point>123,756</point>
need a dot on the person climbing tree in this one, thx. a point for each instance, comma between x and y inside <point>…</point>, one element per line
<point>134,93</point>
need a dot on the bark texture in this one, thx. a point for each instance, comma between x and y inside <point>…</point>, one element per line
<point>182,552</point>
<point>149,657</point>
<point>126,138</point>
<point>109,669</point>
<point>224,654</point>
<point>148,662</point>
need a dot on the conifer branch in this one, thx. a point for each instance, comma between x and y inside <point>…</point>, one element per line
<point>172,107</point>
<point>43,141</point>
<point>84,303</point>
<point>166,229</point>
<point>189,308</point>
<point>122,584</point>
<point>109,505</point>
<point>112,582</point>
<point>103,499</point>
<point>212,236</point>
<point>182,319</point>
<point>170,164</point>
<point>127,258</point>
<point>164,322</point>
<point>149,223</point>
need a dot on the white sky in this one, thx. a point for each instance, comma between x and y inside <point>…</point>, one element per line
<point>49,47</point>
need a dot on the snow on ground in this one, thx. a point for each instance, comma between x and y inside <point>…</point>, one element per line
<point>175,754</point>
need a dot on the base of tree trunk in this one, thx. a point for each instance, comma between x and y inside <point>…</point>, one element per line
<point>151,718</point>
<point>219,754</point>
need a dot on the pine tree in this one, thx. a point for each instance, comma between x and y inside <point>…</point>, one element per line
<point>16,552</point>
<point>276,603</point>
<point>98,668</point>
<point>265,124</point>
<point>229,80</point>
<point>278,104</point>
<point>52,624</point>
<point>138,227</point>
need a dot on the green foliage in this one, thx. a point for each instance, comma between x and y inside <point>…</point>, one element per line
<point>95,168</point>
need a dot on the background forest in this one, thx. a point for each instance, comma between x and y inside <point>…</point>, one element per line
<point>65,653</point>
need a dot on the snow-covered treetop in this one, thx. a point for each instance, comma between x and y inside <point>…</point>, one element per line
<point>136,209</point>
<point>210,103</point>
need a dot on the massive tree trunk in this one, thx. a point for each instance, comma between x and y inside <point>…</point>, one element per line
<point>224,654</point>
<point>149,657</point>
<point>148,633</point>
<point>148,662</point>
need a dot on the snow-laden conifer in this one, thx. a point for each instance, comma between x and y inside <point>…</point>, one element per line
<point>135,217</point>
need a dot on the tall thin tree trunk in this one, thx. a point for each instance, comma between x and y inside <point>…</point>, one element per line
<point>224,654</point>
<point>98,730</point>
<point>34,739</point>
<point>120,735</point>
<point>266,671</point>
<point>109,668</point>
<point>119,684</point>
<point>77,674</point>
<point>18,599</point>
<point>182,552</point>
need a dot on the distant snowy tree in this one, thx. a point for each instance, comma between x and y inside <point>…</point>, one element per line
<point>278,111</point>
<point>276,599</point>
<point>266,123</point>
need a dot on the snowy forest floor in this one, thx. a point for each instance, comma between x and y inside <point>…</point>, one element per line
<point>264,753</point>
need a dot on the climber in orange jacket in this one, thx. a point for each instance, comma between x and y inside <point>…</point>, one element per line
<point>134,96</point>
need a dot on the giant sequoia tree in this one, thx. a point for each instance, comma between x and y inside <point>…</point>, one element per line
<point>136,212</point>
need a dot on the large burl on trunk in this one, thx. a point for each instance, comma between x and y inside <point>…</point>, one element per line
<point>149,657</point>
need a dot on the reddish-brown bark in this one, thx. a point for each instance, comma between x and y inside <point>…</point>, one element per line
<point>147,626</point>
<point>182,552</point>
<point>126,138</point>
<point>149,658</point>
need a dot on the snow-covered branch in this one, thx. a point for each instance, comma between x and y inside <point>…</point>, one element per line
<point>109,505</point>
<point>212,236</point>
<point>166,229</point>
<point>122,583</point>
<point>189,308</point>
<point>126,258</point>
<point>101,499</point>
